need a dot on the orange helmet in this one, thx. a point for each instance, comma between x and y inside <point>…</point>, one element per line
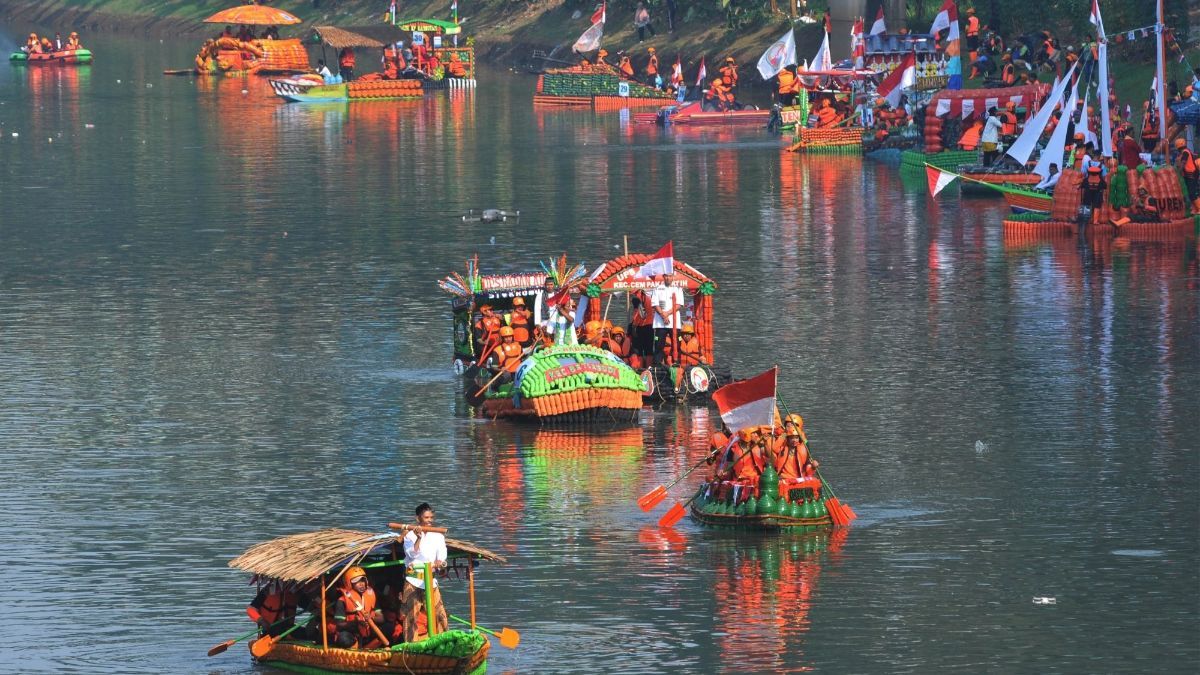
<point>725,79</point>
<point>617,330</point>
<point>602,53</point>
<point>650,49</point>
<point>518,302</point>
<point>744,435</point>
<point>354,573</point>
<point>688,328</point>
<point>1180,143</point>
<point>592,327</point>
<point>506,331</point>
<point>794,419</point>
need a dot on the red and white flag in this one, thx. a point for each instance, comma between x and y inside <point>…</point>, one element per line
<point>946,19</point>
<point>879,27</point>
<point>749,403</point>
<point>662,262</point>
<point>858,46</point>
<point>938,179</point>
<point>599,15</point>
<point>702,75</point>
<point>1094,17</point>
<point>677,73</point>
<point>903,77</point>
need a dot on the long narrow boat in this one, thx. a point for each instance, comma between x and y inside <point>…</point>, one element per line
<point>1023,200</point>
<point>318,559</point>
<point>306,90</point>
<point>67,57</point>
<point>694,114</point>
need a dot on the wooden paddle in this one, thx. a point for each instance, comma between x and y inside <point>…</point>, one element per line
<point>485,387</point>
<point>654,497</point>
<point>678,511</point>
<point>509,638</point>
<point>263,646</point>
<point>406,527</point>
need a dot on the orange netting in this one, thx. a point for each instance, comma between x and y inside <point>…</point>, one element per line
<point>281,56</point>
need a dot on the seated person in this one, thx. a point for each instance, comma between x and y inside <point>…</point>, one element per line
<point>273,609</point>
<point>521,319</point>
<point>487,328</point>
<point>689,347</point>
<point>1050,180</point>
<point>506,358</point>
<point>456,68</point>
<point>1145,208</point>
<point>618,343</point>
<point>354,612</point>
<point>73,41</point>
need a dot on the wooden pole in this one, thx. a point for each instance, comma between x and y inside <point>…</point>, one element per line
<point>324,625</point>
<point>471,586</point>
<point>627,304</point>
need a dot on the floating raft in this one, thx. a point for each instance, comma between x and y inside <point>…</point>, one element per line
<point>598,86</point>
<point>949,160</point>
<point>68,57</point>
<point>805,508</point>
<point>455,651</point>
<point>835,140</point>
<point>301,90</point>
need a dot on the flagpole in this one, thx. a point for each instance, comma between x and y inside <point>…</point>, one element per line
<point>1159,29</point>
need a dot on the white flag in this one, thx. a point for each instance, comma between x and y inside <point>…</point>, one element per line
<point>779,55</point>
<point>590,40</point>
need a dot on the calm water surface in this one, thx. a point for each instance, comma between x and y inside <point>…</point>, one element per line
<point>219,325</point>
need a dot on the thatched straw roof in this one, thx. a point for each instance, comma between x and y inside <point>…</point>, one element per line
<point>300,557</point>
<point>340,37</point>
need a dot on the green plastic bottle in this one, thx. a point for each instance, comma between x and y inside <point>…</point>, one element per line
<point>768,483</point>
<point>794,510</point>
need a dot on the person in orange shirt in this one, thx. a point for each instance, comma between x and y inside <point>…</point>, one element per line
<point>487,328</point>
<point>826,114</point>
<point>520,320</point>
<point>626,67</point>
<point>729,70</point>
<point>719,97</point>
<point>789,86</point>
<point>793,461</point>
<point>73,41</point>
<point>751,459</point>
<point>972,34</point>
<point>507,356</point>
<point>1008,120</point>
<point>617,343</point>
<point>455,67</point>
<point>652,67</point>
<point>346,64</point>
<point>689,346</point>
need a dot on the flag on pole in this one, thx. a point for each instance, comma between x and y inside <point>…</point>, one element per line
<point>677,72</point>
<point>823,60</point>
<point>601,14</point>
<point>903,77</point>
<point>879,27</point>
<point>749,403</point>
<point>590,40</point>
<point>1094,17</point>
<point>947,19</point>
<point>778,56</point>
<point>392,11</point>
<point>662,262</point>
<point>938,179</point>
<point>702,74</point>
<point>858,46</point>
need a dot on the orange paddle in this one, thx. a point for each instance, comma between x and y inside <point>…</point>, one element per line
<point>654,497</point>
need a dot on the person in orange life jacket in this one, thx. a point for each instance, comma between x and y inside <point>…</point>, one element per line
<point>521,319</point>
<point>1093,187</point>
<point>626,67</point>
<point>716,97</point>
<point>1185,161</point>
<point>794,462</point>
<point>1008,120</point>
<point>651,67</point>
<point>615,341</point>
<point>507,356</point>
<point>729,71</point>
<point>422,547</point>
<point>47,45</point>
<point>788,87</point>
<point>689,346</point>
<point>73,41</point>
<point>33,45</point>
<point>487,328</point>
<point>641,330</point>
<point>972,34</point>
<point>827,114</point>
<point>752,463</point>
<point>727,462</point>
<point>357,602</point>
<point>274,608</point>
<point>1145,208</point>
<point>456,68</point>
<point>1008,72</point>
<point>346,64</point>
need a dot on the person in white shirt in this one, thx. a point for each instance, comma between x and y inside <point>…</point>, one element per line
<point>990,139</point>
<point>541,308</point>
<point>420,547</point>
<point>1050,180</point>
<point>665,301</point>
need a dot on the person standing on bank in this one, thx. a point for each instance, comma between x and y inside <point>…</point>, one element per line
<point>641,21</point>
<point>422,547</point>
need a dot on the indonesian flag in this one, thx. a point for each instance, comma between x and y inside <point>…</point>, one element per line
<point>663,262</point>
<point>1094,17</point>
<point>879,27</point>
<point>903,77</point>
<point>938,179</point>
<point>858,46</point>
<point>779,55</point>
<point>677,72</point>
<point>590,40</point>
<point>946,19</point>
<point>702,74</point>
<point>599,15</point>
<point>749,403</point>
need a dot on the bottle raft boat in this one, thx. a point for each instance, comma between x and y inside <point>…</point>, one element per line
<point>307,570</point>
<point>64,57</point>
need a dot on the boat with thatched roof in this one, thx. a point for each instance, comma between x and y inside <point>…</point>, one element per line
<point>318,559</point>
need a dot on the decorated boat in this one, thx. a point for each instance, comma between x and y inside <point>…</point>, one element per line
<point>445,63</point>
<point>312,89</point>
<point>1024,200</point>
<point>775,505</point>
<point>65,57</point>
<point>995,175</point>
<point>226,54</point>
<point>598,86</point>
<point>311,565</point>
<point>694,114</point>
<point>569,384</point>
<point>676,380</point>
<point>820,88</point>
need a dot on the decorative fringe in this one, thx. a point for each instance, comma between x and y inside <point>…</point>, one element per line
<point>376,660</point>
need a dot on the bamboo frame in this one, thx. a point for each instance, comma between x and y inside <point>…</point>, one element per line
<point>471,587</point>
<point>430,626</point>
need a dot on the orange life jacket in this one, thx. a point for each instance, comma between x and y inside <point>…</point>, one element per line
<point>520,324</point>
<point>972,27</point>
<point>787,82</point>
<point>970,137</point>
<point>1150,126</point>
<point>509,355</point>
<point>347,58</point>
<point>274,606</point>
<point>352,600</point>
<point>1008,74</point>
<point>730,72</point>
<point>827,116</point>
<point>750,466</point>
<point>626,67</point>
<point>789,463</point>
<point>689,351</point>
<point>652,66</point>
<point>1008,123</point>
<point>456,67</point>
<point>1188,160</point>
<point>620,349</point>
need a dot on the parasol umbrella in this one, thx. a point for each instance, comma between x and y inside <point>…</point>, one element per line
<point>253,15</point>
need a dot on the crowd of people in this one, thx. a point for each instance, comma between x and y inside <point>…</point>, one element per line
<point>658,320</point>
<point>389,601</point>
<point>419,59</point>
<point>44,45</point>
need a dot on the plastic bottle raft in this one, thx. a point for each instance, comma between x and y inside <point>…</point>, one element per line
<point>69,57</point>
<point>454,651</point>
<point>569,384</point>
<point>773,505</point>
<point>597,86</point>
<point>312,89</point>
<point>1164,184</point>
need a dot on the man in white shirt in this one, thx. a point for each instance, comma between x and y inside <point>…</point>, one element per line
<point>420,547</point>
<point>990,139</point>
<point>665,301</point>
<point>1050,180</point>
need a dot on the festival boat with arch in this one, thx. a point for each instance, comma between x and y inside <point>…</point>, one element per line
<point>688,374</point>
<point>309,568</point>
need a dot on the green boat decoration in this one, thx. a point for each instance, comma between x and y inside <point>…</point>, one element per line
<point>571,384</point>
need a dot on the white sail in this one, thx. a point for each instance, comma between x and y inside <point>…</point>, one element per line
<point>1023,147</point>
<point>1056,148</point>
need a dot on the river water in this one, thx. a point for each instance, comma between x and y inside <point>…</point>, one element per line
<point>219,324</point>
